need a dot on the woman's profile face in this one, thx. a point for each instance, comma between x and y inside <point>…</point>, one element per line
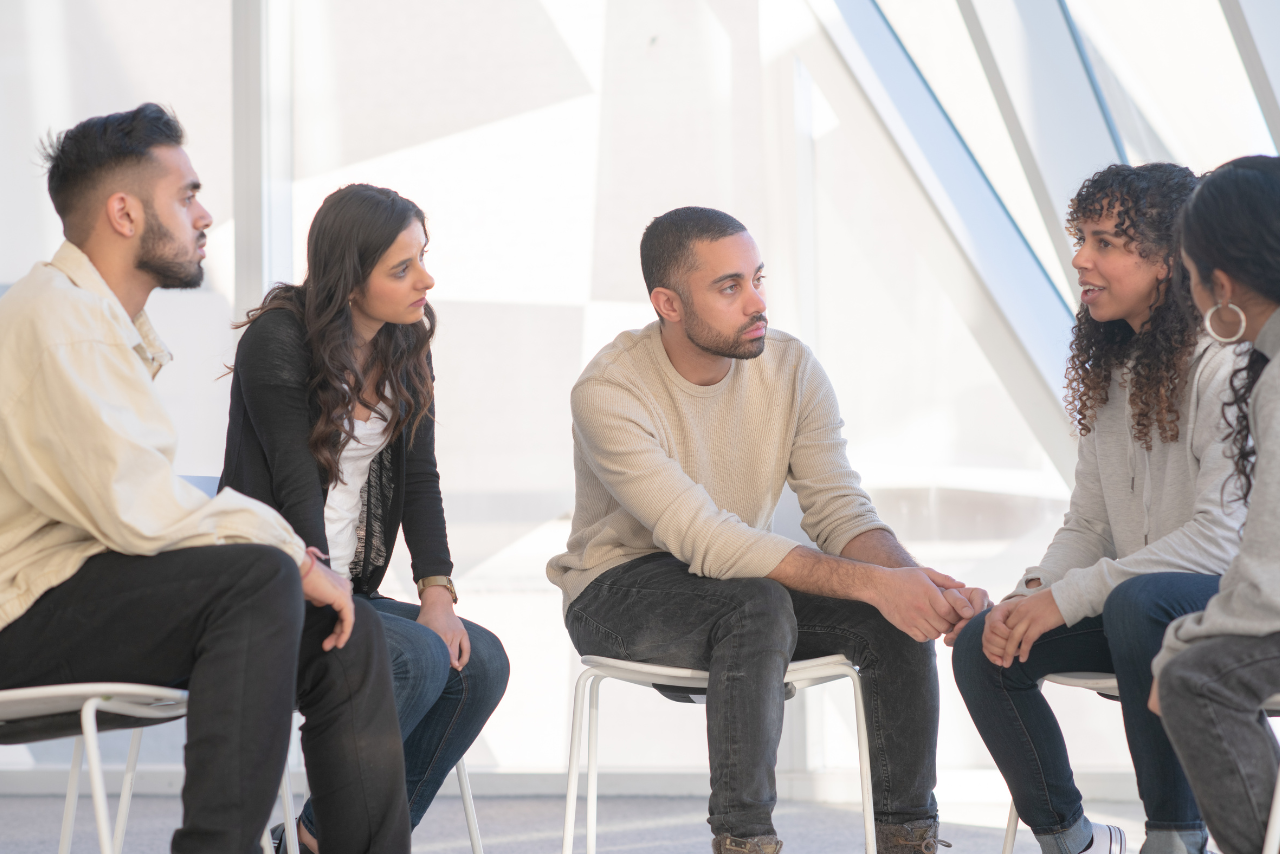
<point>1116,282</point>
<point>397,288</point>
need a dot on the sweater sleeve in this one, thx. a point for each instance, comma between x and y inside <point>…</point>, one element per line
<point>622,447</point>
<point>1206,543</point>
<point>1248,601</point>
<point>836,508</point>
<point>1085,536</point>
<point>423,523</point>
<point>272,365</point>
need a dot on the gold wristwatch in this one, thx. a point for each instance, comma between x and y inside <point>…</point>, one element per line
<point>438,581</point>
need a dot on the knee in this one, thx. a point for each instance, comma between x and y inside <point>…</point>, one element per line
<point>420,658</point>
<point>967,654</point>
<point>765,605</point>
<point>274,575</point>
<point>488,669</point>
<point>1130,600</point>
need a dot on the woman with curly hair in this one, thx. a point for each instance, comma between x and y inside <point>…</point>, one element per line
<point>333,424</point>
<point>1146,535</point>
<point>1218,666</point>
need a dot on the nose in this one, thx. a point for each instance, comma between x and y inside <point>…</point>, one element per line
<point>755,301</point>
<point>202,219</point>
<point>428,280</point>
<point>1080,260</point>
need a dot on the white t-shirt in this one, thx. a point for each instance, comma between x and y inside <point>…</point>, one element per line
<point>342,506</point>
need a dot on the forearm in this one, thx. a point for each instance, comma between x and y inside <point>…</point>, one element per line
<point>810,571</point>
<point>879,547</point>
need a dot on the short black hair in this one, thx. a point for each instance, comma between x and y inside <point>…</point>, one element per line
<point>666,247</point>
<point>79,158</point>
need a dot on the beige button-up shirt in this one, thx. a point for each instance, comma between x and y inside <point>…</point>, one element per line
<point>86,448</point>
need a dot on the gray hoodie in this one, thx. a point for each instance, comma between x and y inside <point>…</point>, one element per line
<point>1248,601</point>
<point>1135,511</point>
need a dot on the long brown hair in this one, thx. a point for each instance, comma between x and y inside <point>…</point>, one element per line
<point>1146,201</point>
<point>353,229</point>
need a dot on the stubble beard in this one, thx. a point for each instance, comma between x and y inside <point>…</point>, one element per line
<point>707,339</point>
<point>161,255</point>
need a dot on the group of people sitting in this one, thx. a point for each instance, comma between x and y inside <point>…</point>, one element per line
<point>264,598</point>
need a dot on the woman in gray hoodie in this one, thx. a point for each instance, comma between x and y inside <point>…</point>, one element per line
<point>1219,665</point>
<point>1146,536</point>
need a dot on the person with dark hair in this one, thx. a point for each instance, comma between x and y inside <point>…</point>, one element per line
<point>685,433</point>
<point>333,423</point>
<point>114,569</point>
<point>1219,665</point>
<point>1146,535</point>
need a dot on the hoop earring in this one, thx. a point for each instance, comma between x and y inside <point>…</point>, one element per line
<point>1208,324</point>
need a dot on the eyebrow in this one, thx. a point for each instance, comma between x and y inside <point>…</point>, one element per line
<point>730,276</point>
<point>192,187</point>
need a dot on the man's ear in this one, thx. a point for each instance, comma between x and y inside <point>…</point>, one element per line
<point>667,304</point>
<point>124,214</point>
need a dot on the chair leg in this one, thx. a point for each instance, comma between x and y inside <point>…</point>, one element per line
<point>575,745</point>
<point>126,790</point>
<point>468,807</point>
<point>73,797</point>
<point>864,764</point>
<point>1011,831</point>
<point>290,820</point>
<point>593,763</point>
<point>89,724</point>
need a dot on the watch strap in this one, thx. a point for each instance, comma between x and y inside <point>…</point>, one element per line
<point>438,581</point>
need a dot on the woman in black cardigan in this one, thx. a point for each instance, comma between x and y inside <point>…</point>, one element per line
<point>348,469</point>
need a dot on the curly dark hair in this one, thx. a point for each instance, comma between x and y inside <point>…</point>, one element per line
<point>1232,224</point>
<point>353,229</point>
<point>1146,201</point>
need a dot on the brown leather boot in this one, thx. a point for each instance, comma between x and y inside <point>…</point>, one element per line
<point>726,844</point>
<point>915,837</point>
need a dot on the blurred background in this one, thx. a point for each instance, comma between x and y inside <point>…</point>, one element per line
<point>904,165</point>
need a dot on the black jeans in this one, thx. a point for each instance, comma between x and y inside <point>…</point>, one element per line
<point>230,622</point>
<point>1211,697</point>
<point>1021,732</point>
<point>744,632</point>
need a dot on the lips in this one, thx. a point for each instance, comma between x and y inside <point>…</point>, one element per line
<point>1090,294</point>
<point>755,331</point>
<point>419,304</point>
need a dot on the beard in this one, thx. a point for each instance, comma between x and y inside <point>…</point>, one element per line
<point>710,340</point>
<point>162,256</point>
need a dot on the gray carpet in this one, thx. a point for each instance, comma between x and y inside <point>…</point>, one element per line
<point>29,825</point>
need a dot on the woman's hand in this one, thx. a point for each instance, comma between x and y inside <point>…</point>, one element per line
<point>1153,702</point>
<point>437,614</point>
<point>995,631</point>
<point>1030,618</point>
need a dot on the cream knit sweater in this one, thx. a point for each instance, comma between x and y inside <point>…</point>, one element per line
<point>696,471</point>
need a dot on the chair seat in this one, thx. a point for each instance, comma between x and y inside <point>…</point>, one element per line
<point>53,711</point>
<point>675,683</point>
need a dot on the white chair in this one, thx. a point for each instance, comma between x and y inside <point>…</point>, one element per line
<point>57,711</point>
<point>1105,684</point>
<point>800,675</point>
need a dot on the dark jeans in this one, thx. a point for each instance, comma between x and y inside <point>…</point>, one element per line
<point>441,710</point>
<point>744,632</point>
<point>1020,729</point>
<point>230,622</point>
<point>1211,697</point>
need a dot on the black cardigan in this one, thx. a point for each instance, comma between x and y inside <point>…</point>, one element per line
<point>268,458</point>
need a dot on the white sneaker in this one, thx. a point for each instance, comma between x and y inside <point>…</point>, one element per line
<point>1107,839</point>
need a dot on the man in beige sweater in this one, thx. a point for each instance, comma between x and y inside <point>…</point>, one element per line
<point>684,434</point>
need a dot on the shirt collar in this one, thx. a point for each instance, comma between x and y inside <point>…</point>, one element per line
<point>137,330</point>
<point>1268,340</point>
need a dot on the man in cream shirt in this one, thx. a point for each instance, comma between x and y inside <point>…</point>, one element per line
<point>684,434</point>
<point>112,568</point>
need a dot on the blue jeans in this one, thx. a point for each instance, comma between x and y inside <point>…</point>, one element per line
<point>1022,733</point>
<point>441,710</point>
<point>745,631</point>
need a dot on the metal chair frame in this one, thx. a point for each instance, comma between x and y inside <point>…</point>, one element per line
<point>1106,685</point>
<point>144,703</point>
<point>800,675</point>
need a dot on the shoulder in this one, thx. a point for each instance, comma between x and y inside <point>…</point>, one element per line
<point>274,342</point>
<point>46,308</point>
